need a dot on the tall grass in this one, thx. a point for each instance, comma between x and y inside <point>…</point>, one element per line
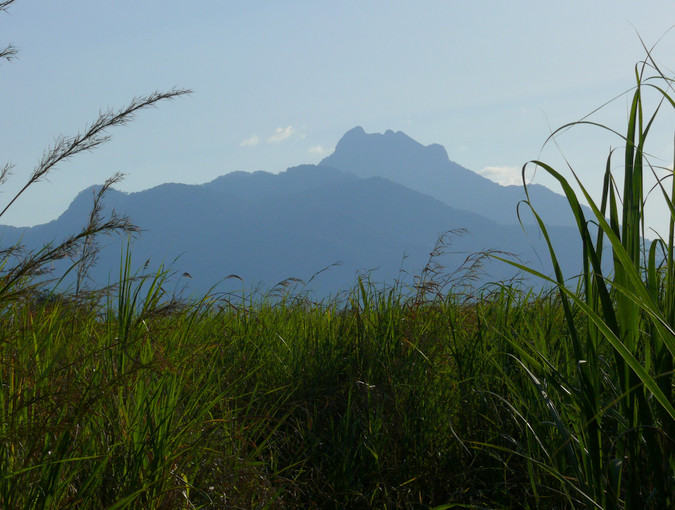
<point>385,400</point>
<point>257,403</point>
<point>608,398</point>
<point>105,415</point>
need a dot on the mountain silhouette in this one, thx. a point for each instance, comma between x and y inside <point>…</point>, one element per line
<point>374,212</point>
<point>427,169</point>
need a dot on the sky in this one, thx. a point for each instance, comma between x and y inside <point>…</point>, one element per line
<point>276,84</point>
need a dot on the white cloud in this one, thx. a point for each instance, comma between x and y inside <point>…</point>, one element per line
<point>504,175</point>
<point>318,149</point>
<point>250,142</point>
<point>281,134</point>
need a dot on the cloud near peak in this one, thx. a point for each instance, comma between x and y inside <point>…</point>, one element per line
<point>319,150</point>
<point>504,175</point>
<point>280,134</point>
<point>250,142</point>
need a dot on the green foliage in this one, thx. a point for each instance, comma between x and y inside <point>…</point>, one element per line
<point>290,403</point>
<point>609,400</point>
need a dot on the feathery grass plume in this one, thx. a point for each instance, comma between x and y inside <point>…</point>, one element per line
<point>611,433</point>
<point>93,136</point>
<point>22,271</point>
<point>9,52</point>
<point>86,258</point>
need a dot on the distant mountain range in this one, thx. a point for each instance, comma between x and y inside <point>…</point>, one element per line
<point>378,204</point>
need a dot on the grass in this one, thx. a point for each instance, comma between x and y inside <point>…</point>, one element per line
<point>619,449</point>
<point>385,401</point>
<point>286,404</point>
<point>503,398</point>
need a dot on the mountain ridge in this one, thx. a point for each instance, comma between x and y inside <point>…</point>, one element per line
<point>428,169</point>
<point>267,228</point>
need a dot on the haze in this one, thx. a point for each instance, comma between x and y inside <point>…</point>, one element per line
<point>276,85</point>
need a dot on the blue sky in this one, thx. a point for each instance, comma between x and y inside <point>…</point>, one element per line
<point>276,84</point>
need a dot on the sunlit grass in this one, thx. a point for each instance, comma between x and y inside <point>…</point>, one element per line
<point>609,435</point>
<point>298,403</point>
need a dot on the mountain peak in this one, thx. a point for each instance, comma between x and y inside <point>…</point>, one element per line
<point>392,154</point>
<point>358,133</point>
<point>390,140</point>
<point>358,130</point>
<point>428,169</point>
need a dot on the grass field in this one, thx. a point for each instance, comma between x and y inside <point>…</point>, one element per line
<point>388,399</point>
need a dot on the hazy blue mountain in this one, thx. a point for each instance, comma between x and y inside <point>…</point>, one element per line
<point>396,156</point>
<point>266,228</point>
<point>260,185</point>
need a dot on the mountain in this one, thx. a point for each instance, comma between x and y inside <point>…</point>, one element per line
<point>428,169</point>
<point>266,228</point>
